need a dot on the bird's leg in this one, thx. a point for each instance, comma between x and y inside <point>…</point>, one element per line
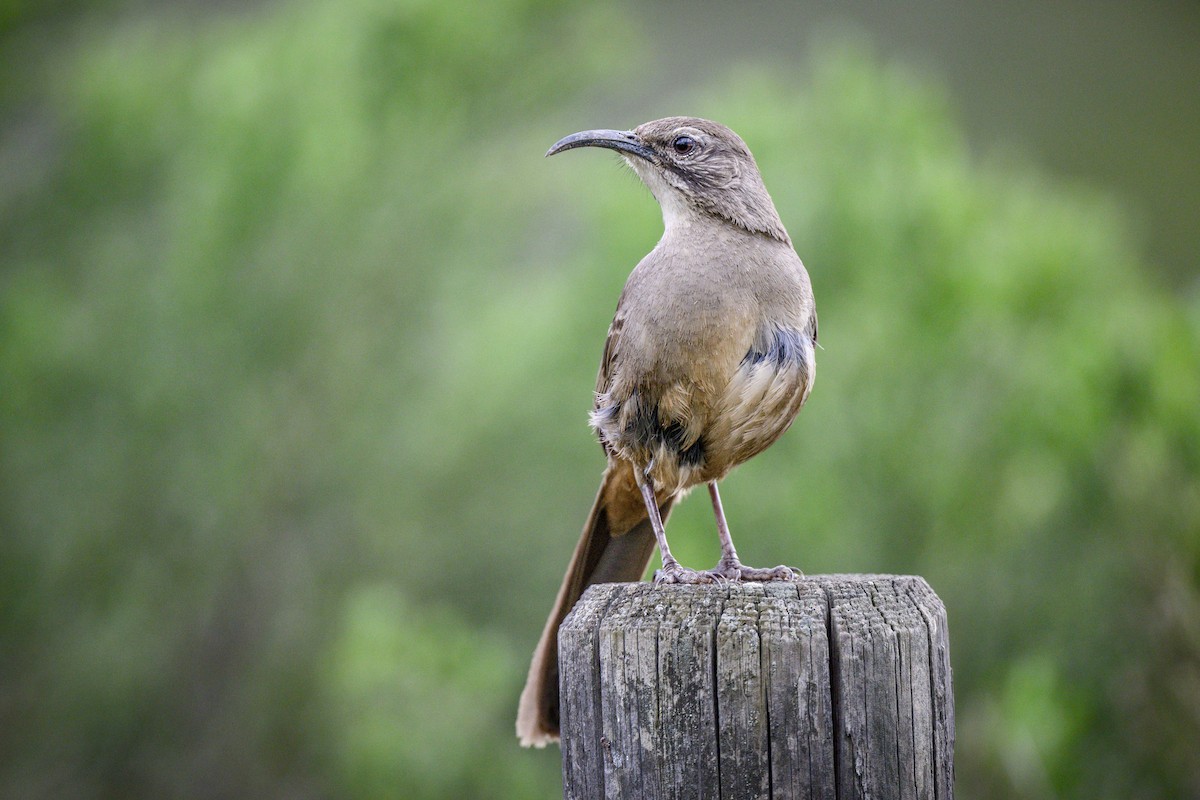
<point>672,571</point>
<point>729,556</point>
<point>730,567</point>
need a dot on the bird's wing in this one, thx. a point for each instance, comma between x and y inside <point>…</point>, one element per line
<point>612,347</point>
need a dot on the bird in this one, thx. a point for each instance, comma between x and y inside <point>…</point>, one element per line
<point>707,362</point>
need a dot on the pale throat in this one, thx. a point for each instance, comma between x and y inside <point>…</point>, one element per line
<point>676,210</point>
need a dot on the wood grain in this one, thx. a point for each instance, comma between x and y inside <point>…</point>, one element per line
<point>834,687</point>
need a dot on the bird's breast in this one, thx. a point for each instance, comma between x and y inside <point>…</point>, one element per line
<point>713,358</point>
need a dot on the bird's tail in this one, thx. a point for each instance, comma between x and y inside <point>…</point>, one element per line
<point>616,545</point>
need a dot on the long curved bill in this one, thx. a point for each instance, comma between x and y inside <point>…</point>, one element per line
<point>622,141</point>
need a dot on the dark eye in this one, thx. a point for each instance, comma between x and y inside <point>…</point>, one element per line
<point>684,144</point>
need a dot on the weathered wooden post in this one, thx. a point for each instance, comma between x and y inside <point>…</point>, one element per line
<point>834,687</point>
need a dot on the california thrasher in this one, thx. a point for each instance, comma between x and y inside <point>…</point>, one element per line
<point>708,360</point>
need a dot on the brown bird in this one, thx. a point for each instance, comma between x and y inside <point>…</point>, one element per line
<point>708,360</point>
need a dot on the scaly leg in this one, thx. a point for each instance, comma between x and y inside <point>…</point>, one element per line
<point>672,571</point>
<point>730,567</point>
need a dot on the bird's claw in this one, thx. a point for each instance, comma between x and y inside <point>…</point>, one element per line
<point>736,571</point>
<point>724,572</point>
<point>675,573</point>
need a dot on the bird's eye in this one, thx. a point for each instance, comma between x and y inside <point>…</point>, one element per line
<point>684,145</point>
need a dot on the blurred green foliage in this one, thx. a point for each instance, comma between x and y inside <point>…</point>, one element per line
<point>297,336</point>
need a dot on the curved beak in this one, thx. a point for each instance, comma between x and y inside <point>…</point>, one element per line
<point>622,141</point>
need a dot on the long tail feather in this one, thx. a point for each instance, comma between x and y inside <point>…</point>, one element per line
<point>616,545</point>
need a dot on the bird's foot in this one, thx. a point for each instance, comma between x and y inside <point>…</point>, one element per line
<point>673,572</point>
<point>736,571</point>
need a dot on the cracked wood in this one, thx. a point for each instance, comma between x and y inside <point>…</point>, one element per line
<point>834,687</point>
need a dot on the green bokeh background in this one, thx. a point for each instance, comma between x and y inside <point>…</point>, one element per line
<point>298,333</point>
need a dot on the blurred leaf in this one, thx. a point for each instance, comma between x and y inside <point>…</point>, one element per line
<point>416,697</point>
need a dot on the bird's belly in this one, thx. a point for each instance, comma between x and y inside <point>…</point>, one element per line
<point>689,433</point>
<point>758,406</point>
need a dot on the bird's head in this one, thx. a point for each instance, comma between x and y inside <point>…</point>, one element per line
<point>692,165</point>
